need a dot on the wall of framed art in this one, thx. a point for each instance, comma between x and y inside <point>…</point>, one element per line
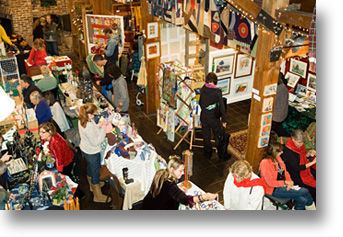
<point>235,73</point>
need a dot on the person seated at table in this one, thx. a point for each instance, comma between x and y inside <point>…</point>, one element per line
<point>4,156</point>
<point>165,194</point>
<point>278,181</point>
<point>48,82</point>
<point>25,88</point>
<point>299,162</point>
<point>243,189</point>
<point>37,54</point>
<point>58,147</point>
<point>4,195</point>
<point>57,112</point>
<point>92,135</point>
<point>43,111</point>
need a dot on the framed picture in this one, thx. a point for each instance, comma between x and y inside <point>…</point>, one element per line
<point>241,88</point>
<point>265,130</point>
<point>223,65</point>
<point>243,65</point>
<point>153,50</point>
<point>298,67</point>
<point>263,141</point>
<point>266,119</point>
<point>267,104</point>
<point>301,90</point>
<point>292,79</point>
<point>169,87</point>
<point>153,30</point>
<point>224,85</point>
<point>47,179</point>
<point>270,89</point>
<point>311,82</point>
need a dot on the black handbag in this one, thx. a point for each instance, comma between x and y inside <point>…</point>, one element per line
<point>222,142</point>
<point>281,173</point>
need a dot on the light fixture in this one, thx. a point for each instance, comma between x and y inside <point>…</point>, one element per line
<point>6,105</point>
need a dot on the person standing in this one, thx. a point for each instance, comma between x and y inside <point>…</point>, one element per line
<point>4,38</point>
<point>38,27</point>
<point>51,36</point>
<point>92,135</point>
<point>121,99</point>
<point>111,50</point>
<point>211,118</point>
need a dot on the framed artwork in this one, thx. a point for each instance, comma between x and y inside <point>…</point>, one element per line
<point>263,141</point>
<point>270,89</point>
<point>153,30</point>
<point>292,79</point>
<point>241,88</point>
<point>46,178</point>
<point>224,85</point>
<point>301,90</point>
<point>265,130</point>
<point>298,67</point>
<point>153,50</point>
<point>311,82</point>
<point>243,65</point>
<point>266,119</point>
<point>223,65</point>
<point>267,104</point>
<point>169,87</point>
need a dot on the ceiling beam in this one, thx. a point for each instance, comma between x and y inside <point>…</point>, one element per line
<point>294,18</point>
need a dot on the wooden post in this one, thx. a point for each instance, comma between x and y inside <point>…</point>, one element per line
<point>151,101</point>
<point>266,73</point>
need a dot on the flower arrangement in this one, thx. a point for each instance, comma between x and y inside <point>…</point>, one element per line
<point>59,192</point>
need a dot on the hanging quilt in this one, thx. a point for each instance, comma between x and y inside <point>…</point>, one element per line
<point>167,10</point>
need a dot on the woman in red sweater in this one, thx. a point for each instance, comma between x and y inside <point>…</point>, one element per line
<point>58,148</point>
<point>38,54</point>
<point>278,181</point>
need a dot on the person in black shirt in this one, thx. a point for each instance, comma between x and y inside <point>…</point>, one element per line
<point>38,28</point>
<point>25,88</point>
<point>165,194</point>
<point>210,95</point>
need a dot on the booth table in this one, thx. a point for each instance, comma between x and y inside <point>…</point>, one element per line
<point>133,193</point>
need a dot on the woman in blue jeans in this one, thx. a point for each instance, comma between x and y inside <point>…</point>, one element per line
<point>278,181</point>
<point>92,135</point>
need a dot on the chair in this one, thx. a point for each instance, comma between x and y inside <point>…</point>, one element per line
<point>115,188</point>
<point>283,203</point>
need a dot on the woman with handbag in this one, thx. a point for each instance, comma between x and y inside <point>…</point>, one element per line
<point>278,181</point>
<point>212,115</point>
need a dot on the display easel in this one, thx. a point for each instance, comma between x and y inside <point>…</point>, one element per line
<point>181,82</point>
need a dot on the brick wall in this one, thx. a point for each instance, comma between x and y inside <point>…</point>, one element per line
<point>23,12</point>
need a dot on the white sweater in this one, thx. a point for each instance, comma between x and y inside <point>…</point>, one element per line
<point>240,198</point>
<point>91,138</point>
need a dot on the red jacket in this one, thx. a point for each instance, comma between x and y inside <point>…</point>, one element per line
<point>269,172</point>
<point>38,57</point>
<point>60,151</point>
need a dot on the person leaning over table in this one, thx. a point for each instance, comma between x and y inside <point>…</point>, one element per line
<point>210,95</point>
<point>278,181</point>
<point>299,162</point>
<point>111,50</point>
<point>243,189</point>
<point>4,195</point>
<point>48,82</point>
<point>25,88</point>
<point>37,54</point>
<point>165,194</point>
<point>92,135</point>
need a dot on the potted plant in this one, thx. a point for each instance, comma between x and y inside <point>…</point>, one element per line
<point>59,192</point>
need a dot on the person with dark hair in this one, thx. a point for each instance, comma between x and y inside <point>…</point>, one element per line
<point>211,118</point>
<point>279,182</point>
<point>120,98</point>
<point>136,62</point>
<point>111,50</point>
<point>25,88</point>
<point>280,108</point>
<point>299,162</point>
<point>165,194</point>
<point>38,27</point>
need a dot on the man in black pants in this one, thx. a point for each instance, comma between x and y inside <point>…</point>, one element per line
<point>211,116</point>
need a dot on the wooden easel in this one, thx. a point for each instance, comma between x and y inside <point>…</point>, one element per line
<point>178,72</point>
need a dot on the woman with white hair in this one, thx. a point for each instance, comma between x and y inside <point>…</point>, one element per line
<point>48,82</point>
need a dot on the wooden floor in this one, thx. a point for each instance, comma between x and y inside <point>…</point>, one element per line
<point>209,175</point>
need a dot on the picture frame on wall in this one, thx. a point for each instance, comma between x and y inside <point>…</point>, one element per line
<point>244,65</point>
<point>270,89</point>
<point>224,85</point>
<point>311,82</point>
<point>223,65</point>
<point>298,67</point>
<point>153,30</point>
<point>241,88</point>
<point>266,119</point>
<point>263,141</point>
<point>152,50</point>
<point>267,104</point>
<point>292,79</point>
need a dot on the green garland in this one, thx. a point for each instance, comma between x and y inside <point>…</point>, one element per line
<point>48,3</point>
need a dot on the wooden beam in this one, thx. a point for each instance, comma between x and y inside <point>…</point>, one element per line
<point>295,18</point>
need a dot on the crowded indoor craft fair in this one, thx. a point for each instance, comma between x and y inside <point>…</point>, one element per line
<point>158,105</point>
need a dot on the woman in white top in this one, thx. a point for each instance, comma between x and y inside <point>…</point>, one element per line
<point>57,112</point>
<point>92,135</point>
<point>243,190</point>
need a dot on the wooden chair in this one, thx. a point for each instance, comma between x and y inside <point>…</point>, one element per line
<point>71,205</point>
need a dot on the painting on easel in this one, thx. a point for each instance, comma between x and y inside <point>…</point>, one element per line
<point>169,87</point>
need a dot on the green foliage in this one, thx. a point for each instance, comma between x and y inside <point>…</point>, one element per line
<point>48,3</point>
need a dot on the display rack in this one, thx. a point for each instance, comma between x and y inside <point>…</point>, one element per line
<point>8,71</point>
